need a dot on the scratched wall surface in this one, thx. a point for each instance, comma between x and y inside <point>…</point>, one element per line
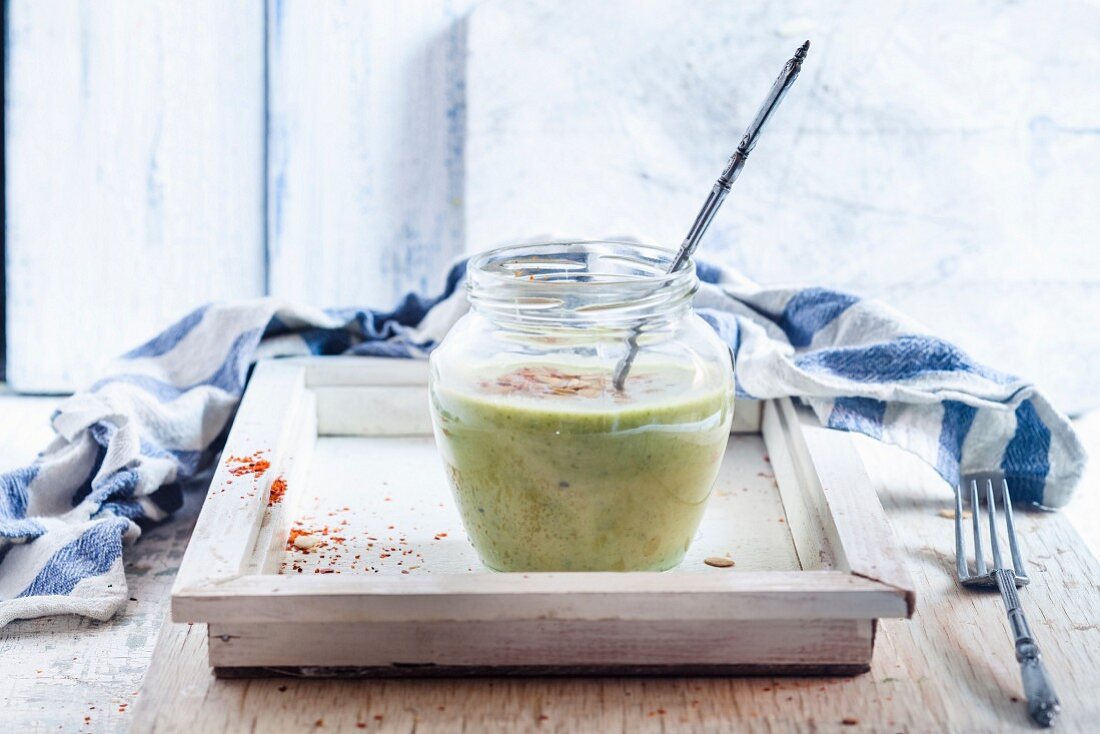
<point>940,156</point>
<point>134,174</point>
<point>168,153</point>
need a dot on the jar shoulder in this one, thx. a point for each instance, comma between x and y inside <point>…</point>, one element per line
<point>687,353</point>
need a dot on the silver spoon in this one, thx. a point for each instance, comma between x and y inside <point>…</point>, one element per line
<point>720,190</point>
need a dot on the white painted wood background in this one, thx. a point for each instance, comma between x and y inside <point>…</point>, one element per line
<point>366,111</point>
<point>134,175</point>
<point>941,156</point>
<point>167,153</point>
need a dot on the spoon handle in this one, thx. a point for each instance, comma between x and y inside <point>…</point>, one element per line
<point>719,191</point>
<point>737,160</point>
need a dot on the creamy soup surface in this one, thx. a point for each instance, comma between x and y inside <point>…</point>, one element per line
<point>554,470</point>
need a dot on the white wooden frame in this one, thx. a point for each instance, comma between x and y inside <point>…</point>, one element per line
<point>819,619</point>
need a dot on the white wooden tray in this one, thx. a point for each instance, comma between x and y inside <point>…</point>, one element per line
<point>394,587</point>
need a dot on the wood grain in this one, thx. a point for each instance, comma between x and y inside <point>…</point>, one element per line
<point>111,658</point>
<point>950,668</point>
<point>365,165</point>
<point>275,412</point>
<point>135,188</point>
<point>59,670</point>
<point>547,643</point>
<point>435,604</point>
<point>854,518</point>
<point>724,598</point>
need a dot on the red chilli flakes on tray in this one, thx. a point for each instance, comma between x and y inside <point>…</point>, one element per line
<point>278,489</point>
<point>254,465</point>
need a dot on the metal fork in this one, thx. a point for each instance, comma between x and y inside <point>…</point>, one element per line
<point>1042,703</point>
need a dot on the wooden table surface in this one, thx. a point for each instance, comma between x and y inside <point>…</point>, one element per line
<point>949,668</point>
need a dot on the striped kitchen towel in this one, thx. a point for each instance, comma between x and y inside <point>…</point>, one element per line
<point>160,415</point>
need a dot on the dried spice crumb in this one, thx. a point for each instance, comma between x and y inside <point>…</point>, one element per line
<point>278,489</point>
<point>849,721</point>
<point>253,465</point>
<point>719,562</point>
<point>542,381</point>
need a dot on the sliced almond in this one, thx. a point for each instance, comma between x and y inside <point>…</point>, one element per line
<point>718,562</point>
<point>305,542</point>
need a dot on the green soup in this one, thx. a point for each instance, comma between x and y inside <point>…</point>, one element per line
<point>554,471</point>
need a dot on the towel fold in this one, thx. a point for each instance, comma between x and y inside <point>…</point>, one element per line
<point>161,413</point>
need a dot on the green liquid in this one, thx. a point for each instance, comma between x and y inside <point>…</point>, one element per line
<point>560,482</point>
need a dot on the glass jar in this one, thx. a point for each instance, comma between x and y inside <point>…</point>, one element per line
<point>552,467</point>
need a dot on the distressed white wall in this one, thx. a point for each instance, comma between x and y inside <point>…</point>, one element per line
<point>366,112</point>
<point>164,154</point>
<point>134,175</point>
<point>942,156</point>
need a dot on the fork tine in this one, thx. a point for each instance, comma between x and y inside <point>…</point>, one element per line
<point>960,540</point>
<point>979,557</point>
<point>1013,543</point>
<point>994,544</point>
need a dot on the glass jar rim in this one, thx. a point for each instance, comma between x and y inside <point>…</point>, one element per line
<point>585,280</point>
<point>504,258</point>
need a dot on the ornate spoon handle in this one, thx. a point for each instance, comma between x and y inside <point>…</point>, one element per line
<point>719,190</point>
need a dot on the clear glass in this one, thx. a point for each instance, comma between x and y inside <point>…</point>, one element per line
<point>552,468</point>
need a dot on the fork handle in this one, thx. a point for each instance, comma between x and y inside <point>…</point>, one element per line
<point>1042,701</point>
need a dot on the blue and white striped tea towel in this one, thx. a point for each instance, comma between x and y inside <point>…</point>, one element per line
<point>159,416</point>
